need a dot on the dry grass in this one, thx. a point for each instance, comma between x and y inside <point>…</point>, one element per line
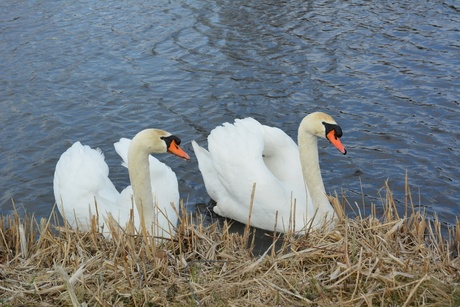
<point>362,261</point>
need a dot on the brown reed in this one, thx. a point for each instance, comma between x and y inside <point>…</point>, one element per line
<point>361,261</point>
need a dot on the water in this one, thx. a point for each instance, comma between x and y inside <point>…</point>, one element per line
<point>96,71</point>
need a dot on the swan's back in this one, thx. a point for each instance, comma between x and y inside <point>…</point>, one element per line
<point>280,154</point>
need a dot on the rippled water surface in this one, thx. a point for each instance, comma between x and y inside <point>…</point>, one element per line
<point>96,71</point>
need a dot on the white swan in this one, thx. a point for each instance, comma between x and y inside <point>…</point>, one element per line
<point>84,193</point>
<point>289,190</point>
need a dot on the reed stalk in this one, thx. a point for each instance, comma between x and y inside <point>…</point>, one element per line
<point>387,260</point>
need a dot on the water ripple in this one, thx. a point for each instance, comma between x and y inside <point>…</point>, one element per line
<point>389,72</point>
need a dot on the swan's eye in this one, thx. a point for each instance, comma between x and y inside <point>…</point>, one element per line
<point>175,138</point>
<point>335,127</point>
<point>169,139</point>
<point>338,131</point>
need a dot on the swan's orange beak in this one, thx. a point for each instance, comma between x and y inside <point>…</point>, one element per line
<point>177,151</point>
<point>336,141</point>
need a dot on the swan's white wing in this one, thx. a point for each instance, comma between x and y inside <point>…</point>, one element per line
<point>236,151</point>
<point>236,155</point>
<point>165,188</point>
<point>165,191</point>
<point>281,155</point>
<point>81,180</point>
<point>211,180</point>
<point>122,147</point>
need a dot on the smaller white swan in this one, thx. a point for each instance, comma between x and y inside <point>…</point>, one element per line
<point>84,193</point>
<point>289,190</point>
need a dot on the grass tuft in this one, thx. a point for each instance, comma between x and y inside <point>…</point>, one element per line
<point>391,260</point>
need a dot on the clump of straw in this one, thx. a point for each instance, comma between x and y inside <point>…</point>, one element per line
<point>362,261</point>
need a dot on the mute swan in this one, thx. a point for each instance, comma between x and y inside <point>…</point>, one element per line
<point>289,190</point>
<point>81,181</point>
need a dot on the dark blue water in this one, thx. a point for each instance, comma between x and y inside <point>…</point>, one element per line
<point>95,71</point>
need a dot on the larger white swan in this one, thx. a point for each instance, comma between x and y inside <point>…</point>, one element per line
<point>85,195</point>
<point>289,190</point>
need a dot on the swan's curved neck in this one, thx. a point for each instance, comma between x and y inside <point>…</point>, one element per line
<point>308,150</point>
<point>139,175</point>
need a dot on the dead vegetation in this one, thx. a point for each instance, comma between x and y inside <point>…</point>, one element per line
<point>362,261</point>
